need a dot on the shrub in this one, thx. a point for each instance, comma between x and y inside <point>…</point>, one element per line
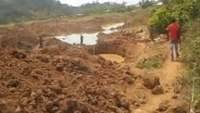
<point>160,19</point>
<point>191,53</point>
<point>153,62</point>
<point>191,48</point>
<point>183,10</point>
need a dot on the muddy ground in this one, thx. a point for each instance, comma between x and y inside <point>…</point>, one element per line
<point>62,78</point>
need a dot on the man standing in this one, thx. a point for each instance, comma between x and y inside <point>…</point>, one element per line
<point>40,42</point>
<point>174,37</point>
<point>81,39</point>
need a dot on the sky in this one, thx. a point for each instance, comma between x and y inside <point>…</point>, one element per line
<point>80,2</point>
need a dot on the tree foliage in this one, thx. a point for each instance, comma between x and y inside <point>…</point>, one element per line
<point>183,10</point>
<point>96,7</point>
<point>188,13</point>
<point>192,47</point>
<point>146,3</point>
<point>19,10</point>
<point>22,10</point>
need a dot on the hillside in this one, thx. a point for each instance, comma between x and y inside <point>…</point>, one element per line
<point>128,70</point>
<point>12,11</point>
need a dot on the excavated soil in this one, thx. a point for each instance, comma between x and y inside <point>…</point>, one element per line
<point>61,78</point>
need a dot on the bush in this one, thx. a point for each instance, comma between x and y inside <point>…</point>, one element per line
<point>191,53</point>
<point>188,13</point>
<point>191,48</point>
<point>153,62</point>
<point>160,19</point>
<point>183,10</point>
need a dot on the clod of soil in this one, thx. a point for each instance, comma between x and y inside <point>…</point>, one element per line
<point>157,90</point>
<point>180,107</point>
<point>150,81</point>
<point>163,106</point>
<point>60,80</point>
<point>113,58</point>
<point>139,111</point>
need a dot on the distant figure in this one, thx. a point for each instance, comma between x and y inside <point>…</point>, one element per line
<point>81,39</point>
<point>174,34</point>
<point>40,42</point>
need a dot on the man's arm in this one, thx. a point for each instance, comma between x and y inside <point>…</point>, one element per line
<point>179,33</point>
<point>167,29</point>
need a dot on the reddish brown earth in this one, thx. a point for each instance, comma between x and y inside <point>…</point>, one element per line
<point>61,78</point>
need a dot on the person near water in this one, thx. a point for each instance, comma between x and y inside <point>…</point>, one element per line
<point>174,34</point>
<point>40,42</point>
<point>81,39</point>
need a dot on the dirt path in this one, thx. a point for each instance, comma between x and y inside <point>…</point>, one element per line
<point>168,75</point>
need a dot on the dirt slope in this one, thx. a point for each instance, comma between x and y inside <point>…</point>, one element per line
<point>154,90</point>
<point>61,78</point>
<point>168,75</point>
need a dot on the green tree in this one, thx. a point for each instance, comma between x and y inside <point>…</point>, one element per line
<point>13,10</point>
<point>183,10</point>
<point>146,3</point>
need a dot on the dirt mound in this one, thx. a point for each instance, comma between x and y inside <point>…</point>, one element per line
<point>18,38</point>
<point>59,78</point>
<point>51,81</point>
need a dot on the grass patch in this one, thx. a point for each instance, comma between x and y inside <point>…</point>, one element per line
<point>191,55</point>
<point>153,62</point>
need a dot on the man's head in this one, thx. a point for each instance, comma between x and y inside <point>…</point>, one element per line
<point>173,20</point>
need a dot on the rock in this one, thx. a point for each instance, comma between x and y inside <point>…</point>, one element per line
<point>157,90</point>
<point>13,83</point>
<point>72,106</point>
<point>128,79</point>
<point>33,94</point>
<point>18,55</point>
<point>37,72</point>
<point>12,89</point>
<point>143,101</point>
<point>43,58</point>
<point>60,67</point>
<point>56,88</point>
<point>150,81</point>
<point>142,32</point>
<point>139,30</point>
<point>180,107</point>
<point>174,96</point>
<point>137,104</point>
<point>18,109</point>
<point>141,98</point>
<point>24,101</point>
<point>139,111</point>
<point>3,107</point>
<point>121,102</point>
<point>52,107</point>
<point>177,90</point>
<point>81,65</point>
<point>3,93</point>
<point>61,97</point>
<point>163,106</point>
